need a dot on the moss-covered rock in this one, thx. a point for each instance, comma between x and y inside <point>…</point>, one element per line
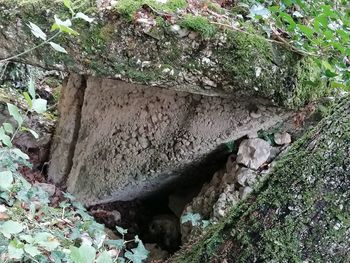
<point>300,214</point>
<point>212,62</point>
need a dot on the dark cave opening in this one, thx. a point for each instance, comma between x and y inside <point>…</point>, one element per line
<point>156,218</point>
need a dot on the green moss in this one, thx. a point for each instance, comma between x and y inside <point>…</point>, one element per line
<point>291,217</point>
<point>199,24</point>
<point>309,86</point>
<point>130,7</point>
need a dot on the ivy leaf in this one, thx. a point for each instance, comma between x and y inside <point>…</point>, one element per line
<point>46,240</point>
<point>8,128</point>
<point>138,254</point>
<point>14,112</point>
<point>20,154</point>
<point>34,133</point>
<point>190,217</point>
<point>259,11</point>
<point>119,243</point>
<point>121,230</point>
<point>11,228</point>
<point>58,48</point>
<point>84,254</point>
<point>14,251</point>
<point>31,250</point>
<point>36,31</point>
<point>63,26</point>
<point>104,257</point>
<point>5,139</point>
<point>84,17</point>
<point>39,105</point>
<point>6,180</point>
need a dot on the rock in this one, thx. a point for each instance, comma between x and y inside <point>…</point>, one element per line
<point>116,215</point>
<point>245,191</point>
<point>48,188</point>
<point>253,153</point>
<point>143,142</point>
<point>273,153</point>
<point>282,138</point>
<point>226,200</point>
<point>252,135</point>
<point>155,253</point>
<point>245,176</point>
<point>99,159</point>
<point>165,229</point>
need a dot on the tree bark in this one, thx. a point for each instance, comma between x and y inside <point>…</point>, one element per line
<point>299,214</point>
<point>231,63</point>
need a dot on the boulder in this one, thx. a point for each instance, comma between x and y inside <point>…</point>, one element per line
<point>253,153</point>
<point>120,141</point>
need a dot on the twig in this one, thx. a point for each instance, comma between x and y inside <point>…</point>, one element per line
<point>4,70</point>
<point>31,49</point>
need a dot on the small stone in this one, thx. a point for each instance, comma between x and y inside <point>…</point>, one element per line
<point>143,142</point>
<point>282,138</point>
<point>193,35</point>
<point>252,135</point>
<point>253,153</point>
<point>156,253</point>
<point>244,192</point>
<point>209,83</point>
<point>273,153</point>
<point>116,215</point>
<point>255,114</point>
<point>246,176</point>
<point>48,188</point>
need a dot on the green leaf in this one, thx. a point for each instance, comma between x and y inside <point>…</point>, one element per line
<point>138,254</point>
<point>58,48</point>
<point>46,240</point>
<point>121,230</point>
<point>14,252</point>
<point>306,30</point>
<point>84,254</point>
<point>104,257</point>
<point>84,17</point>
<point>118,243</point>
<point>20,154</point>
<point>31,88</point>
<point>31,250</point>
<point>36,31</point>
<point>8,128</point>
<point>6,180</point>
<point>14,112</point>
<point>28,99</point>
<point>5,139</point>
<point>68,4</point>
<point>330,74</point>
<point>63,26</point>
<point>190,217</point>
<point>27,238</point>
<point>34,133</point>
<point>11,228</point>
<point>259,11</point>
<point>39,105</point>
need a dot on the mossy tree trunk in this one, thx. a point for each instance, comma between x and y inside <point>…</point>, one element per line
<point>301,213</point>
